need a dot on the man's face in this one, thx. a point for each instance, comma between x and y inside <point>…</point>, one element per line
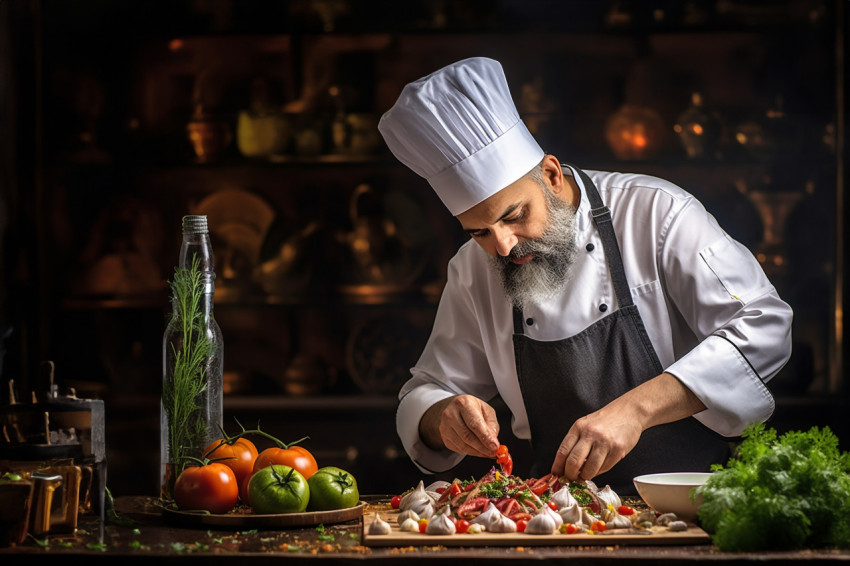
<point>530,237</point>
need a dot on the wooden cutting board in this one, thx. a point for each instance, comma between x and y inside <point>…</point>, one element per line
<point>654,536</point>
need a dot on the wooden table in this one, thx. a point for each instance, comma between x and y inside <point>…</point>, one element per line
<point>150,541</point>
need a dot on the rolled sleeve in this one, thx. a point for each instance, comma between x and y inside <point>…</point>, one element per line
<point>412,406</point>
<point>722,378</point>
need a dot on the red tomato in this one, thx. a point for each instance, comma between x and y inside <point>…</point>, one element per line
<point>462,525</point>
<point>455,489</point>
<point>212,488</point>
<point>472,507</point>
<point>423,525</point>
<point>238,455</point>
<point>520,525</point>
<point>568,529</point>
<point>503,458</point>
<point>538,487</point>
<point>395,502</point>
<point>243,490</point>
<point>598,526</point>
<point>295,457</point>
<point>625,510</point>
<point>552,505</point>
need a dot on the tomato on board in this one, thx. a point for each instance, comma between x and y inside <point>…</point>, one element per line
<point>520,525</point>
<point>210,488</point>
<point>462,525</point>
<point>278,489</point>
<point>293,456</point>
<point>332,488</point>
<point>395,502</point>
<point>238,455</point>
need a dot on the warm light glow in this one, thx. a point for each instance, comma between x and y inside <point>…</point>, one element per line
<point>176,44</point>
<point>697,129</point>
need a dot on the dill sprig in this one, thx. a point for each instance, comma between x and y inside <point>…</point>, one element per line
<point>185,382</point>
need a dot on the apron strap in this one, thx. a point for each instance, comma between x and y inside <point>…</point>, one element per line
<point>601,215</point>
<point>602,218</point>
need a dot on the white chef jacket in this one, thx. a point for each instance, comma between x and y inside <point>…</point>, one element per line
<point>714,319</point>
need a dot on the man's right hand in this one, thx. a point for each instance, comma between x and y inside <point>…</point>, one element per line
<point>464,424</point>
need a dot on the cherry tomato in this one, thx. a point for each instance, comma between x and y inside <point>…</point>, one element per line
<point>423,525</point>
<point>211,488</point>
<point>520,525</point>
<point>461,525</point>
<point>238,455</point>
<point>294,456</point>
<point>568,529</point>
<point>395,502</point>
<point>598,526</point>
<point>552,505</point>
<point>625,510</point>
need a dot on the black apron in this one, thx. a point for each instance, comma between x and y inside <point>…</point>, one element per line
<point>564,380</point>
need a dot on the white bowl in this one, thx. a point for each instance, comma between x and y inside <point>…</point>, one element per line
<point>671,493</point>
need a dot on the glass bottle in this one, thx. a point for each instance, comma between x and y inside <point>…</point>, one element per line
<point>192,356</point>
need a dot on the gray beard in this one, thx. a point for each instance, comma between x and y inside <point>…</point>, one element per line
<point>554,253</point>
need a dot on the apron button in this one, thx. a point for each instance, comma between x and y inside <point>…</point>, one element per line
<point>603,307</point>
<point>529,321</point>
<point>589,247</point>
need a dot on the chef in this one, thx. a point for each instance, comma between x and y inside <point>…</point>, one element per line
<point>624,329</point>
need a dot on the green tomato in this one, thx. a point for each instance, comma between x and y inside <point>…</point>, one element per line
<point>332,488</point>
<point>278,489</point>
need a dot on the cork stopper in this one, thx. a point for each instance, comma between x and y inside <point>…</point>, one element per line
<point>195,224</point>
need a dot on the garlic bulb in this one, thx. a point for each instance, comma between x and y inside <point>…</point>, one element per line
<point>570,513</point>
<point>409,526</point>
<point>666,519</point>
<point>501,524</point>
<point>487,516</point>
<point>545,522</point>
<point>437,485</point>
<point>440,524</point>
<point>407,514</point>
<point>414,496</point>
<point>475,529</point>
<point>425,508</point>
<point>563,498</point>
<point>608,497</point>
<point>618,521</point>
<point>379,527</point>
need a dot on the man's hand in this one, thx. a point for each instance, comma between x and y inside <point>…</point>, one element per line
<point>464,424</point>
<point>596,442</point>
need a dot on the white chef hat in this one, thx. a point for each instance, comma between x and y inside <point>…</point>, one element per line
<point>459,129</point>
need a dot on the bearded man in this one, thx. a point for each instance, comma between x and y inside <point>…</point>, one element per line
<point>626,332</point>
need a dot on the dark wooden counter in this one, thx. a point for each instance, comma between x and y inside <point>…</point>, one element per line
<point>148,540</point>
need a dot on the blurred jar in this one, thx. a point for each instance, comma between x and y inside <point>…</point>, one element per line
<point>635,132</point>
<point>698,129</point>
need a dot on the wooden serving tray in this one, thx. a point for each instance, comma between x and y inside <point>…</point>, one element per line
<point>249,520</point>
<point>653,536</point>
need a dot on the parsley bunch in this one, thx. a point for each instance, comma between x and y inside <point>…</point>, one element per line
<point>779,492</point>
